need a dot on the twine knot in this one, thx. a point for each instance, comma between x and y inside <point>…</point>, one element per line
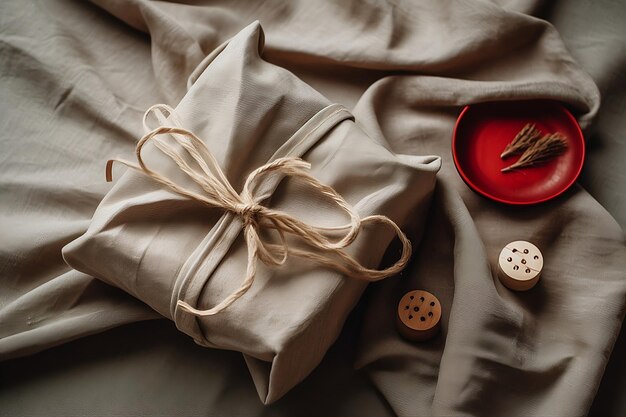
<point>218,192</point>
<point>249,212</point>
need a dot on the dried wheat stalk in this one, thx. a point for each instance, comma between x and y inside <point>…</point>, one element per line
<point>522,141</point>
<point>544,149</point>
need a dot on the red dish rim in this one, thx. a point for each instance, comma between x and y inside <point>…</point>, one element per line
<point>517,203</point>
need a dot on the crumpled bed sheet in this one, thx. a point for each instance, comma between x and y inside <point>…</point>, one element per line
<point>75,85</point>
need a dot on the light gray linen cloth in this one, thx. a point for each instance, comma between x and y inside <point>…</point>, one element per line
<point>72,96</point>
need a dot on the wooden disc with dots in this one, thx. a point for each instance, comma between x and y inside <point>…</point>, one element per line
<point>419,314</point>
<point>520,264</point>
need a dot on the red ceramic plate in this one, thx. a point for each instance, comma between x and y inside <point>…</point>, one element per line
<point>483,130</point>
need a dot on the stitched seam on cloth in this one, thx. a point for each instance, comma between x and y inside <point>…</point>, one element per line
<point>317,127</point>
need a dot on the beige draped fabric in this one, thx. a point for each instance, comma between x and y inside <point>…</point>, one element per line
<point>75,86</point>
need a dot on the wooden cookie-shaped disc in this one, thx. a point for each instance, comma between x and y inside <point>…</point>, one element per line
<point>520,264</point>
<point>419,314</point>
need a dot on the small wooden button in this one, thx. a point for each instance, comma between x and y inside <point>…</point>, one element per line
<point>520,264</point>
<point>419,313</point>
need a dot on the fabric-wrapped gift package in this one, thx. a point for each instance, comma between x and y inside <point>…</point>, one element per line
<point>165,248</point>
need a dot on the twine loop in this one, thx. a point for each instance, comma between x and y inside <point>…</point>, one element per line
<point>316,243</point>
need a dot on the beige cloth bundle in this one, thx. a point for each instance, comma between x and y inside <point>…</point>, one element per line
<point>177,255</point>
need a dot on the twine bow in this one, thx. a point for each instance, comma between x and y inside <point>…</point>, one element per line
<point>219,193</point>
